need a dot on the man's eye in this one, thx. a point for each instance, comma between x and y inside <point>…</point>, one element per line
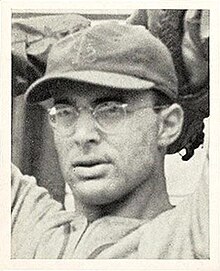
<point>110,106</point>
<point>110,111</point>
<point>114,109</point>
<point>60,111</point>
<point>64,112</point>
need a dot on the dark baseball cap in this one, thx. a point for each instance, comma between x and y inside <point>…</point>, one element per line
<point>109,54</point>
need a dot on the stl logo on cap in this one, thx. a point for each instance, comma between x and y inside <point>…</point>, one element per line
<point>90,54</point>
<point>83,52</point>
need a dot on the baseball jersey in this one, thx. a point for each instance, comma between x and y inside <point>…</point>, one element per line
<point>43,229</point>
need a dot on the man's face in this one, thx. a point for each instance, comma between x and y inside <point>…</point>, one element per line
<point>104,167</point>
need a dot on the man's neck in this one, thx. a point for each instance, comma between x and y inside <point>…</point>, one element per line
<point>146,202</point>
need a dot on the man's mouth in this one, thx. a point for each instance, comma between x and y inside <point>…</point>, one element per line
<point>88,163</point>
<point>90,168</point>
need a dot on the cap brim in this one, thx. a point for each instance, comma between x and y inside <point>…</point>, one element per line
<point>40,89</point>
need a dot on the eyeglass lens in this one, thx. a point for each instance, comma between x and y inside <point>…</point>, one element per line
<point>109,116</point>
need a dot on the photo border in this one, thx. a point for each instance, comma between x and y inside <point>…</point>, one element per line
<point>5,144</point>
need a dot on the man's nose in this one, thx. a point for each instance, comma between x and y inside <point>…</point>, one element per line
<point>86,130</point>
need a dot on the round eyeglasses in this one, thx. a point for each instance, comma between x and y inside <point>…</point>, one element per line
<point>108,116</point>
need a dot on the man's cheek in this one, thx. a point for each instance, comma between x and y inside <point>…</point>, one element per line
<point>63,150</point>
<point>62,144</point>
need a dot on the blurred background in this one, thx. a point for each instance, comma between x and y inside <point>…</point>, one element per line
<point>32,140</point>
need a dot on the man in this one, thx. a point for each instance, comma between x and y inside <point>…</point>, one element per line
<point>111,92</point>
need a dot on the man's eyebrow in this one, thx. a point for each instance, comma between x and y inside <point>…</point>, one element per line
<point>62,101</point>
<point>118,98</point>
<point>96,101</point>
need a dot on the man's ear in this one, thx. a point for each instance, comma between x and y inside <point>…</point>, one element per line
<point>170,124</point>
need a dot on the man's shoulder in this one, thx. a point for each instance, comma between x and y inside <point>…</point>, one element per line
<point>181,232</point>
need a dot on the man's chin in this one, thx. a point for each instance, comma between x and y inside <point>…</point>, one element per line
<point>95,192</point>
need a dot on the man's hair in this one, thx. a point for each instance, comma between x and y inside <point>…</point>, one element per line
<point>161,99</point>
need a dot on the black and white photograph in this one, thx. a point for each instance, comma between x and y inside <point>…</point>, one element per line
<point>110,136</point>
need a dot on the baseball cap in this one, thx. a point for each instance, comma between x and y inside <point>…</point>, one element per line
<point>109,54</point>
